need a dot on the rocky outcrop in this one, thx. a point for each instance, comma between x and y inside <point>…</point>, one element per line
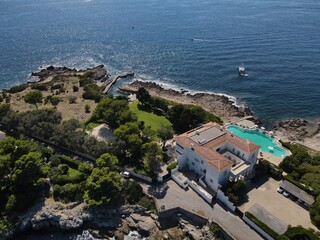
<point>97,73</point>
<point>297,128</point>
<point>221,105</point>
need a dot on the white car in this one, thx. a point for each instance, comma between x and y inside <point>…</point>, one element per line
<point>280,190</point>
<point>285,194</point>
<point>125,174</point>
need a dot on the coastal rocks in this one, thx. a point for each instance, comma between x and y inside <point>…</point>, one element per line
<point>96,73</point>
<point>296,128</point>
<point>55,216</point>
<point>223,106</point>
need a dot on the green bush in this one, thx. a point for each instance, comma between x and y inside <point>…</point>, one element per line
<point>40,87</point>
<point>263,226</point>
<point>297,233</point>
<point>172,166</point>
<point>133,192</point>
<point>147,203</point>
<point>289,178</point>
<point>75,88</point>
<point>19,88</point>
<point>92,92</point>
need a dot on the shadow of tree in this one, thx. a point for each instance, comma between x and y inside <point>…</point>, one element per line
<point>159,190</point>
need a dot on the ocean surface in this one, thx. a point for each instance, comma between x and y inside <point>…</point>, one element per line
<point>196,45</point>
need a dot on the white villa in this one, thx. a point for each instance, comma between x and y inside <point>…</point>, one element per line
<point>215,154</point>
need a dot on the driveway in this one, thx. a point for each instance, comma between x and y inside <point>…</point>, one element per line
<point>171,195</point>
<point>281,207</point>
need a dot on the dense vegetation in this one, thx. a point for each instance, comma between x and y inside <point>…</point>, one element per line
<point>46,123</point>
<point>22,172</point>
<point>183,117</point>
<point>304,171</point>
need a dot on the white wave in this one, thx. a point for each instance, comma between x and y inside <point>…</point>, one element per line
<point>235,101</point>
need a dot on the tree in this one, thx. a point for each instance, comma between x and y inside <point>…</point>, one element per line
<point>33,97</point>
<point>106,160</point>
<point>144,97</point>
<point>153,155</point>
<point>103,186</point>
<point>165,133</point>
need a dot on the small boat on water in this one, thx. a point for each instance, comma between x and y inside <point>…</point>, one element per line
<point>242,71</point>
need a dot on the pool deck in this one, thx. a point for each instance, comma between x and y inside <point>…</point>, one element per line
<point>271,158</point>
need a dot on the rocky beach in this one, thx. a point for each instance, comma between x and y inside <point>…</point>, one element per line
<point>221,105</point>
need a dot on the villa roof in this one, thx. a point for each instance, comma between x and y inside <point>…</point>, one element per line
<point>207,137</point>
<point>213,158</point>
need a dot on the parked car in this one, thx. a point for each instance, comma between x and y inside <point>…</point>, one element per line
<point>285,194</point>
<point>125,174</point>
<point>280,190</point>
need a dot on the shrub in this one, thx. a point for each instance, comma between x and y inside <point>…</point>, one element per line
<point>72,99</point>
<point>40,87</point>
<point>263,226</point>
<point>87,108</point>
<point>297,233</point>
<point>147,203</point>
<point>133,192</point>
<point>19,88</point>
<point>75,88</point>
<point>172,166</point>
<point>92,92</point>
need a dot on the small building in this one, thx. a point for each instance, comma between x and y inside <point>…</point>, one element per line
<point>215,154</point>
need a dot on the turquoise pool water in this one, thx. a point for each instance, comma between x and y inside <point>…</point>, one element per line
<point>260,139</point>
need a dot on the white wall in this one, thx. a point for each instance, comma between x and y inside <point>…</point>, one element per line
<point>212,178</point>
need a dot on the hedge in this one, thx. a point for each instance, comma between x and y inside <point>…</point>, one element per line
<point>172,166</point>
<point>263,226</point>
<point>19,88</point>
<point>70,162</point>
<point>298,184</point>
<point>298,233</point>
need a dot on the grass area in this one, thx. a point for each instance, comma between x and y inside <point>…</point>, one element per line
<point>150,119</point>
<point>91,125</point>
<point>73,172</point>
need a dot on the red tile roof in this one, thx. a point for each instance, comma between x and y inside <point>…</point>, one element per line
<point>207,150</point>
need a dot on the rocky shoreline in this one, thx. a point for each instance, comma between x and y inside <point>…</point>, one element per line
<point>104,222</point>
<point>220,105</point>
<point>99,73</point>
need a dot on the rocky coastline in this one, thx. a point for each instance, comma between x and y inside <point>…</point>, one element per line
<point>103,222</point>
<point>99,73</point>
<point>220,105</point>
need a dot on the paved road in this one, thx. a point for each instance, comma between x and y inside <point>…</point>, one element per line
<point>172,196</point>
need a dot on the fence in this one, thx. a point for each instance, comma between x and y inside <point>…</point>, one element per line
<point>200,191</point>
<point>255,227</point>
<point>225,200</point>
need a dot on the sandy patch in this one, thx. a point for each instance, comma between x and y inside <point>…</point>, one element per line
<point>103,133</point>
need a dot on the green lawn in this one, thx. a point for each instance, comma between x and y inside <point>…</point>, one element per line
<point>149,118</point>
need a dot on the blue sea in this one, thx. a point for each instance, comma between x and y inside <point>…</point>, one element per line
<point>190,44</point>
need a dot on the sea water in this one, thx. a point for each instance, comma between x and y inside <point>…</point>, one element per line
<point>196,45</point>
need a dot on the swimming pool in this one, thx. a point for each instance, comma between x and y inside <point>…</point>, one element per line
<point>265,142</point>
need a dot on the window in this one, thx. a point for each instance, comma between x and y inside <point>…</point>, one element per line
<point>211,180</point>
<point>192,163</point>
<point>180,146</point>
<point>201,161</point>
<point>225,173</point>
